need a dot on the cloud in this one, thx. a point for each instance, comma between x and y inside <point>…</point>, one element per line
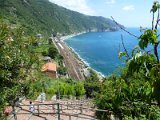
<point>110,1</point>
<point>76,5</point>
<point>128,8</point>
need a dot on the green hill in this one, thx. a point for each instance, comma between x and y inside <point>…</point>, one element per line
<point>44,16</point>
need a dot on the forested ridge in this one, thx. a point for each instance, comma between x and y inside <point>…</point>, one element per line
<point>44,16</point>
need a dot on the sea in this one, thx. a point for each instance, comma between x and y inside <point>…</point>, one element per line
<point>99,50</point>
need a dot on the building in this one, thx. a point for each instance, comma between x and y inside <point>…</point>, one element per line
<point>50,69</point>
<point>46,58</point>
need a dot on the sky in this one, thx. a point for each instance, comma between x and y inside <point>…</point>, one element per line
<point>130,13</point>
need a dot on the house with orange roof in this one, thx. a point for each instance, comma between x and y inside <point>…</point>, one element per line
<point>50,69</point>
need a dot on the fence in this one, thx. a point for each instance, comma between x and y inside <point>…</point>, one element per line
<point>65,111</point>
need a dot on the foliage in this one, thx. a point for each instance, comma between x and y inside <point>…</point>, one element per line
<point>79,89</point>
<point>148,62</point>
<point>52,52</point>
<point>149,36</point>
<point>17,61</point>
<point>62,70</point>
<point>127,96</point>
<point>135,93</point>
<point>67,87</point>
<point>45,17</point>
<point>92,84</point>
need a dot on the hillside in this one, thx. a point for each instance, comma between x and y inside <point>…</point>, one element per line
<point>43,16</point>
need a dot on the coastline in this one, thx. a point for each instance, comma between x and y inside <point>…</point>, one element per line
<point>63,38</point>
<point>85,65</point>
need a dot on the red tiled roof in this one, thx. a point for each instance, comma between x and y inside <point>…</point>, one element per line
<point>49,67</point>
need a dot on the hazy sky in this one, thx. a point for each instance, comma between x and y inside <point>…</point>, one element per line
<point>130,13</point>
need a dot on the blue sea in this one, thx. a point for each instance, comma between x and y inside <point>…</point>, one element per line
<point>100,49</point>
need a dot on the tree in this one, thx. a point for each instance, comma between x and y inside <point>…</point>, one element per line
<point>135,93</point>
<point>148,61</point>
<point>17,61</point>
<point>52,52</point>
<point>92,84</point>
<point>62,70</point>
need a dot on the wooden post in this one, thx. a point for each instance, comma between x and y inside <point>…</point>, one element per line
<point>61,108</point>
<point>58,111</point>
<point>81,108</point>
<point>38,109</point>
<point>52,107</point>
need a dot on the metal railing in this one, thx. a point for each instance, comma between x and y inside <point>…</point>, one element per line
<point>58,109</point>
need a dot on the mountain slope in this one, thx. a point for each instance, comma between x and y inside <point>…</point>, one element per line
<point>43,16</point>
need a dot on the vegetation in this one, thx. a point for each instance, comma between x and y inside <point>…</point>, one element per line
<point>67,88</point>
<point>135,93</point>
<point>41,16</point>
<point>19,69</point>
<point>52,52</point>
<point>18,63</point>
<point>62,70</point>
<point>92,85</point>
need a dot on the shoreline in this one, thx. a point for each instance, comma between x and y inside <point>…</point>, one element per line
<point>64,38</point>
<point>85,65</point>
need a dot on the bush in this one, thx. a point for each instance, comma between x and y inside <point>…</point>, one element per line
<point>79,89</point>
<point>92,85</point>
<point>62,70</point>
<point>67,87</point>
<point>52,52</point>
